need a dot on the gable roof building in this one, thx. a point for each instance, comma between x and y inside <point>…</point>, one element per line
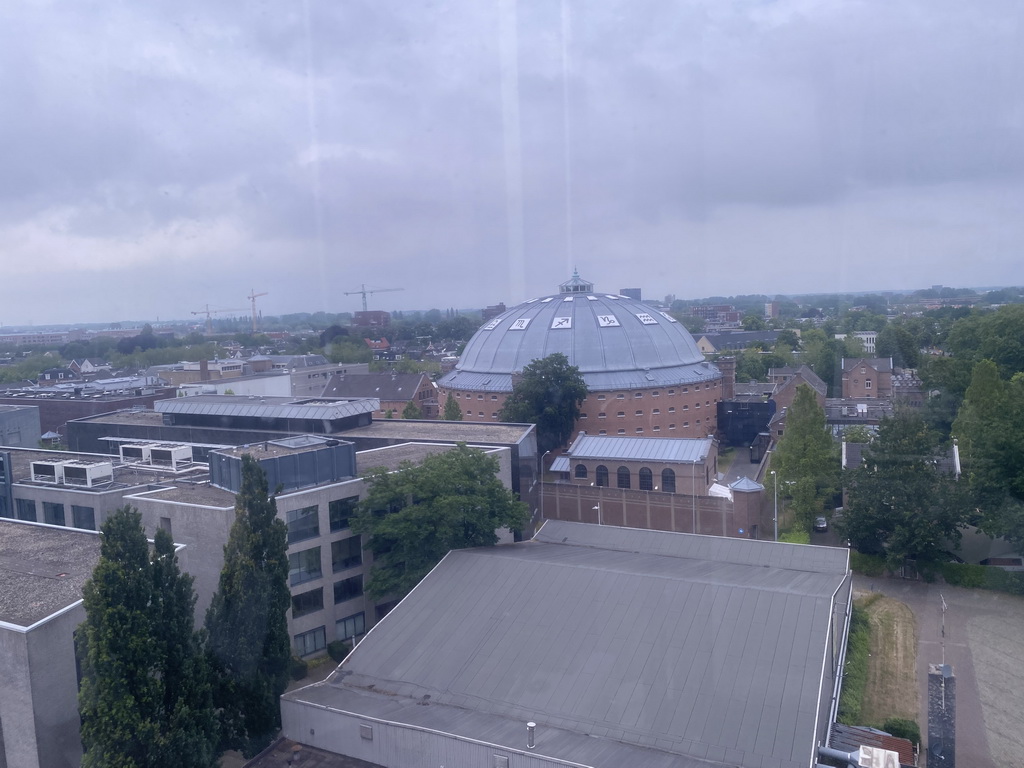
<point>624,647</point>
<point>394,391</point>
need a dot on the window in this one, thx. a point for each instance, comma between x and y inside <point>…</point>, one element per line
<point>671,409</point>
<point>654,393</point>
<point>479,397</point>
<point>620,396</point>
<point>348,589</point>
<point>583,415</point>
<point>671,426</point>
<point>26,509</point>
<point>686,389</point>
<point>494,415</point>
<point>311,642</point>
<point>494,397</point>
<point>83,517</point>
<point>646,479</point>
<point>350,626</point>
<point>621,414</point>
<point>639,413</point>
<point>695,405</point>
<point>307,602</point>
<point>303,523</point>
<point>638,395</point>
<point>656,428</point>
<point>622,477</point>
<point>581,471</point>
<point>53,513</point>
<point>600,397</point>
<point>340,510</point>
<point>304,566</point>
<point>603,432</point>
<point>686,423</point>
<point>347,553</point>
<point>867,383</point>
<point>668,481</point>
<point>602,475</point>
<point>621,432</point>
<point>671,391</point>
<point>686,407</point>
<point>656,412</point>
<point>639,430</point>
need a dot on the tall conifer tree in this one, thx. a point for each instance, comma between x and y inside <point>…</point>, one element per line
<point>144,697</point>
<point>247,622</point>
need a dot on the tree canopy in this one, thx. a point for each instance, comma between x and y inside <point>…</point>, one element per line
<point>411,518</point>
<point>806,459</point>
<point>247,622</point>
<point>549,394</point>
<point>900,503</point>
<point>145,696</point>
<point>989,425</point>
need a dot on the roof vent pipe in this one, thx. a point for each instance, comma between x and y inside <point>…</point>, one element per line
<point>531,729</point>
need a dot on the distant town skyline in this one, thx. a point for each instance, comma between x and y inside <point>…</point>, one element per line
<point>161,158</point>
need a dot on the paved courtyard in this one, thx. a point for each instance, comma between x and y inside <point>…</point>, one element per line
<point>984,642</point>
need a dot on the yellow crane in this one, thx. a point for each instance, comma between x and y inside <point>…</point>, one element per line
<point>252,297</point>
<point>364,293</point>
<point>209,312</point>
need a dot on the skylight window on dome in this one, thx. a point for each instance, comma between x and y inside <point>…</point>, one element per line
<point>609,296</point>
<point>545,301</point>
<point>668,317</point>
<point>492,325</point>
<point>646,319</point>
<point>591,298</point>
<point>607,321</point>
<point>561,322</point>
<point>520,324</point>
<point>568,298</point>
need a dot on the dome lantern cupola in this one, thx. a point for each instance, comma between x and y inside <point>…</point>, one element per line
<point>576,284</point>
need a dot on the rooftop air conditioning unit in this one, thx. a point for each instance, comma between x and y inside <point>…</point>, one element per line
<point>88,474</point>
<point>48,472</point>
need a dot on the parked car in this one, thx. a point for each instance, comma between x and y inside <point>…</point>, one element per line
<point>820,524</point>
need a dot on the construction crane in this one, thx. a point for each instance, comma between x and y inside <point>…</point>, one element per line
<point>208,312</point>
<point>364,293</point>
<point>252,297</point>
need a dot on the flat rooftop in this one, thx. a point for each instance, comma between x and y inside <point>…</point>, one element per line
<point>42,569</point>
<point>196,494</point>
<point>125,475</point>
<point>283,446</point>
<point>628,648</point>
<point>442,431</point>
<point>141,418</point>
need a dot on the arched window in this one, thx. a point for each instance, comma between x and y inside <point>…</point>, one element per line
<point>646,479</point>
<point>668,481</point>
<point>602,475</point>
<point>623,477</point>
<point>581,471</point>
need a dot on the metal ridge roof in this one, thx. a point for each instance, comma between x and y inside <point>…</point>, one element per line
<point>662,449</point>
<point>281,408</point>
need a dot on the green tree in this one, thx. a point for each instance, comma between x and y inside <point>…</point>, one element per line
<point>411,518</point>
<point>247,623</point>
<point>145,696</point>
<point>412,411</point>
<point>753,323</point>
<point>988,426</point>
<point>452,410</point>
<point>898,503</point>
<point>896,342</point>
<point>806,459</point>
<point>549,394</point>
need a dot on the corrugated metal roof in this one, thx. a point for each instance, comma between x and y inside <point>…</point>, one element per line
<point>659,449</point>
<point>627,647</point>
<point>267,407</point>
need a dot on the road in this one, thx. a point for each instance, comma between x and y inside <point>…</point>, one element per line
<point>984,642</point>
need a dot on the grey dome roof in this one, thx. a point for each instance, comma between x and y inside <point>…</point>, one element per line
<point>615,341</point>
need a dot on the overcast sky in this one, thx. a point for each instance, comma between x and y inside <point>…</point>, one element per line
<point>156,157</point>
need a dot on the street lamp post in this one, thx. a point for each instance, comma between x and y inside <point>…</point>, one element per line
<point>775,517</point>
<point>598,508</point>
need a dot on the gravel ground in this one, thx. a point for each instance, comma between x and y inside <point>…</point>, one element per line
<point>984,642</point>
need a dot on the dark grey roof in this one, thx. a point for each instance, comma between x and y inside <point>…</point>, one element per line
<point>627,648</point>
<point>740,339</point>
<point>42,569</point>
<point>383,386</point>
<point>267,407</point>
<point>615,341</point>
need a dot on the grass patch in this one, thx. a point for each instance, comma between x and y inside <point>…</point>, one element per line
<point>880,684</point>
<point>795,537</point>
<point>869,565</point>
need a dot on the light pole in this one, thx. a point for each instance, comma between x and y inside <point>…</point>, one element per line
<point>598,508</point>
<point>775,517</point>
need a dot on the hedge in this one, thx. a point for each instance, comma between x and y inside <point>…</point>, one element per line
<point>869,565</point>
<point>855,672</point>
<point>983,577</point>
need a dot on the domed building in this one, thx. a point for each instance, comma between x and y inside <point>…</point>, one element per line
<point>644,372</point>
